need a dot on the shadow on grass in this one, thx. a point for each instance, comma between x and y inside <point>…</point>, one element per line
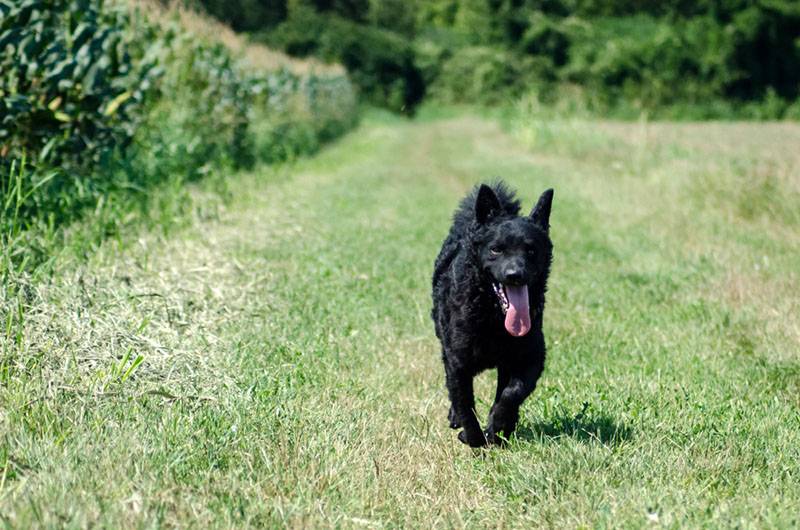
<point>586,426</point>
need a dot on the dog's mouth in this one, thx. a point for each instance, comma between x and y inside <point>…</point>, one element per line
<point>514,303</point>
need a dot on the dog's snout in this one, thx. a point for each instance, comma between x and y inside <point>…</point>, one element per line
<point>514,274</point>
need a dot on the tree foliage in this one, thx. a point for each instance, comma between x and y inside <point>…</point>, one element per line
<point>646,53</point>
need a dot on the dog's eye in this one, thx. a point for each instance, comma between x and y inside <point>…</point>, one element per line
<point>494,251</point>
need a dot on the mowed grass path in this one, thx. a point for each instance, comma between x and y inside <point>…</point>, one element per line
<point>274,363</point>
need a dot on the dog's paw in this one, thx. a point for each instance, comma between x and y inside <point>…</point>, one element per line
<point>494,438</point>
<point>473,439</point>
<point>451,417</point>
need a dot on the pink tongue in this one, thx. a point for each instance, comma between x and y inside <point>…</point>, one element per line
<point>518,316</point>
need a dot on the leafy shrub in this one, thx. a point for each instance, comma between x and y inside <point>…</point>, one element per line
<point>659,55</point>
<point>294,115</point>
<point>247,15</point>
<point>73,83</point>
<point>642,60</point>
<point>545,37</point>
<point>98,100</point>
<point>630,56</point>
<point>380,63</point>
<point>481,74</point>
<point>765,50</point>
<point>399,16</point>
<point>198,118</point>
<point>69,82</point>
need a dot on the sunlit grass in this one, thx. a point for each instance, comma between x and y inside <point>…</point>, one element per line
<point>274,364</point>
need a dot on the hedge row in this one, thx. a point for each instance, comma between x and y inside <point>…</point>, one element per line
<point>97,98</point>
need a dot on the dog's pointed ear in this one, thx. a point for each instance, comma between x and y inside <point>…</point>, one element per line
<point>541,212</point>
<point>487,205</point>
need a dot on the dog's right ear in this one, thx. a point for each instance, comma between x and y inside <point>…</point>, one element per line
<point>487,205</point>
<point>541,212</point>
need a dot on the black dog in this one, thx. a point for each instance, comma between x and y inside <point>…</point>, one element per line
<point>488,297</point>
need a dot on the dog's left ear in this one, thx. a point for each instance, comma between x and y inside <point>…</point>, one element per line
<point>487,205</point>
<point>541,212</point>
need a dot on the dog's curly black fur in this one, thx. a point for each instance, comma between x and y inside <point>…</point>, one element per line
<point>489,250</point>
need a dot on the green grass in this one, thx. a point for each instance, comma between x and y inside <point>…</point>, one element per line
<point>274,364</point>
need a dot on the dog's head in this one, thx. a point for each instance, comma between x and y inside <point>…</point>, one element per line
<point>515,252</point>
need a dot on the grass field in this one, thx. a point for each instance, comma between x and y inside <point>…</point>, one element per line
<point>274,364</point>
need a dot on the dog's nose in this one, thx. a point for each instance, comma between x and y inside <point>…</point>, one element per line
<point>513,275</point>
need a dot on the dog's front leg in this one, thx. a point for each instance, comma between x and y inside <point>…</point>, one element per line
<point>503,375</point>
<point>519,383</point>
<point>462,399</point>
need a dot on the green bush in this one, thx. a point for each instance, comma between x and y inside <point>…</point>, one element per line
<point>626,54</point>
<point>198,117</point>
<point>73,86</point>
<point>380,63</point>
<point>630,56</point>
<point>547,37</point>
<point>247,15</point>
<point>70,84</point>
<point>100,102</point>
<point>657,55</point>
<point>480,74</point>
<point>643,61</point>
<point>294,116</point>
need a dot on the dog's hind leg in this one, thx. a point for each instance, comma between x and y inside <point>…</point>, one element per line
<point>452,418</point>
<point>462,399</point>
